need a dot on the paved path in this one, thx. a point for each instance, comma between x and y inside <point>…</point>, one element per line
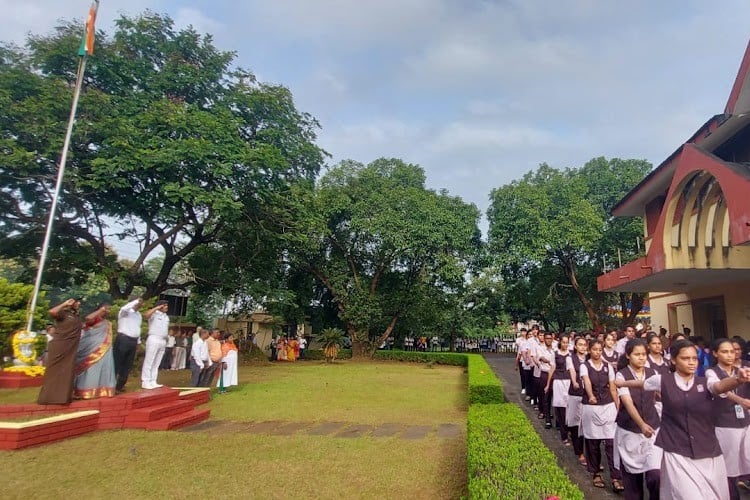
<point>333,429</point>
<point>502,365</point>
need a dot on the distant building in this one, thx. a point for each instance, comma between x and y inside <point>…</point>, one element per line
<point>696,211</point>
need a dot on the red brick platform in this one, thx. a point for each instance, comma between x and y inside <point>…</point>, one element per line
<point>12,380</point>
<point>156,409</point>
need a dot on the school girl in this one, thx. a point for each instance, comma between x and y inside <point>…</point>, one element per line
<point>636,455</point>
<point>559,383</point>
<point>609,354</point>
<point>575,397</point>
<point>732,418</point>
<point>692,464</point>
<point>600,405</point>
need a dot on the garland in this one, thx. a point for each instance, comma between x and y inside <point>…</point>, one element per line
<point>29,360</point>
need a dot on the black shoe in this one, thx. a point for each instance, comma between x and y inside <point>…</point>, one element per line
<point>548,425</point>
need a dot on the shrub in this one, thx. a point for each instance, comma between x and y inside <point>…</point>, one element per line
<point>318,355</point>
<point>507,458</point>
<point>440,358</point>
<point>484,386</point>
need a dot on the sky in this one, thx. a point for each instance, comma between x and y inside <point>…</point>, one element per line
<point>476,92</point>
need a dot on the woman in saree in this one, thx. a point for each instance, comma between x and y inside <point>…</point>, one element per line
<point>281,349</point>
<point>291,349</point>
<point>229,353</point>
<point>95,367</point>
<point>61,354</point>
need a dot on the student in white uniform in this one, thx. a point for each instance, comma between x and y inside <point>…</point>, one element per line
<point>732,417</point>
<point>558,383</point>
<point>692,465</point>
<point>575,397</point>
<point>600,405</point>
<point>636,454</point>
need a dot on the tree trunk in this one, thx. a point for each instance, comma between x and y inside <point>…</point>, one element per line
<point>569,268</point>
<point>629,314</point>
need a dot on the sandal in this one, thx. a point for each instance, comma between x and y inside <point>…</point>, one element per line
<point>582,461</point>
<point>566,442</point>
<point>598,481</point>
<point>617,486</point>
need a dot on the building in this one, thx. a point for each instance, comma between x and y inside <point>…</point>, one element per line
<point>696,219</point>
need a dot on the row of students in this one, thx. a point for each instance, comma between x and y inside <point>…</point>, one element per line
<point>664,430</point>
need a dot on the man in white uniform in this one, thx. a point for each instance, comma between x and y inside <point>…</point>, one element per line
<point>156,342</point>
<point>127,340</point>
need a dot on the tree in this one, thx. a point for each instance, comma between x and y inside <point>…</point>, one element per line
<point>379,242</point>
<point>14,300</point>
<point>170,144</point>
<point>563,218</point>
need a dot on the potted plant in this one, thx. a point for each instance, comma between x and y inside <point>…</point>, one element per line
<point>331,340</point>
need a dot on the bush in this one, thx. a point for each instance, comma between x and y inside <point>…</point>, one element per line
<point>440,358</point>
<point>484,386</point>
<point>507,458</point>
<point>317,354</point>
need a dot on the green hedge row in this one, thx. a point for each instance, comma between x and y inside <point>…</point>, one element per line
<point>484,386</point>
<point>507,458</point>
<point>317,354</point>
<point>440,358</point>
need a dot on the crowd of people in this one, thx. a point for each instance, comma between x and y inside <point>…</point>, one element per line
<point>86,360</point>
<point>288,348</point>
<point>670,413</point>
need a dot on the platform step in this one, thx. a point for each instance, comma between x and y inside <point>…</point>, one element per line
<point>177,421</point>
<point>156,412</point>
<point>145,398</point>
<point>198,396</point>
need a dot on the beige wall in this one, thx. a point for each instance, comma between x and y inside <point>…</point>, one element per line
<point>736,305</point>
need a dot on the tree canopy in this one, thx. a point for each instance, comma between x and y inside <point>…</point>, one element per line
<point>171,143</point>
<point>379,241</point>
<point>562,218</point>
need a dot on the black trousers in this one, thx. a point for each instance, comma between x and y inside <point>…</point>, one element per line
<point>207,375</point>
<point>576,440</point>
<point>560,419</point>
<point>633,484</point>
<point>545,398</point>
<point>594,456</point>
<point>166,361</point>
<point>520,373</point>
<point>123,353</point>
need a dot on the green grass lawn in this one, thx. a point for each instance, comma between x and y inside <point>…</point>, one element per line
<point>139,464</point>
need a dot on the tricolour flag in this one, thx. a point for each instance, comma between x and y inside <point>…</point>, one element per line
<point>87,44</point>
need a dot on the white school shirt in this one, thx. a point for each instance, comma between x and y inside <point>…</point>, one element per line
<point>542,351</point>
<point>171,341</point>
<point>199,352</point>
<point>129,321</point>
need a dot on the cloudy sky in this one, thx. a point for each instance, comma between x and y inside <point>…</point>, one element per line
<point>477,92</point>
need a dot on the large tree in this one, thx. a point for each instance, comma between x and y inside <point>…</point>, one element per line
<point>563,218</point>
<point>171,142</point>
<point>380,242</point>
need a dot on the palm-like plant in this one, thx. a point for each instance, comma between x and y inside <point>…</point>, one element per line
<point>331,339</point>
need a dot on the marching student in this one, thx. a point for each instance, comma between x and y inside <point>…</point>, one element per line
<point>635,453</point>
<point>732,417</point>
<point>559,383</point>
<point>609,354</point>
<point>575,397</point>
<point>545,356</point>
<point>692,465</point>
<point>600,405</point>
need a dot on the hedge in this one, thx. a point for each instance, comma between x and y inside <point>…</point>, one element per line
<point>507,458</point>
<point>440,358</point>
<point>484,386</point>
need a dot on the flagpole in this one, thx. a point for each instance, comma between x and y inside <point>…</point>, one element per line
<point>58,187</point>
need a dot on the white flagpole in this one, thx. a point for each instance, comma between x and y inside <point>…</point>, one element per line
<point>56,195</point>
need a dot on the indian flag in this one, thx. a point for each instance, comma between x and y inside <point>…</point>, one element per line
<point>87,44</point>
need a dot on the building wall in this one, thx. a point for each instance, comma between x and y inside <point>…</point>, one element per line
<point>736,306</point>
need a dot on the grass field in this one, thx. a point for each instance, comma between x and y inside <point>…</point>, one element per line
<point>139,464</point>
